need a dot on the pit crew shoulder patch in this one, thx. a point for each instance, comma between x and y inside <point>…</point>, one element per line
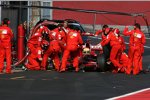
<point>108,36</point>
<point>139,36</point>
<point>36,34</point>
<point>4,32</point>
<point>74,34</point>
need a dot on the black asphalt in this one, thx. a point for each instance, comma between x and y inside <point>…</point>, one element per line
<point>41,85</point>
<point>51,85</point>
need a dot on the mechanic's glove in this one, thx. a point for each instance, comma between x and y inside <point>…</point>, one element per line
<point>126,27</point>
<point>99,46</point>
<point>27,53</point>
<point>56,24</point>
<point>116,34</point>
<point>65,44</point>
<point>79,46</point>
<point>83,46</point>
<point>40,59</point>
<point>87,33</point>
<point>41,27</point>
<point>95,35</point>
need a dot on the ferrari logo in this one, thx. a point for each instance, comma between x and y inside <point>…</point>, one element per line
<point>135,34</point>
<point>73,35</point>
<point>1,35</point>
<point>1,31</point>
<point>70,33</point>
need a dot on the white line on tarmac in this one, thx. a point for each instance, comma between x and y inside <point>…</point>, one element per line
<point>125,42</point>
<point>128,94</point>
<point>17,77</point>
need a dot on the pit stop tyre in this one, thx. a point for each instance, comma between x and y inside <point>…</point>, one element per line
<point>101,62</point>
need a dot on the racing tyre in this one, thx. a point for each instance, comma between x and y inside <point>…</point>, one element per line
<point>101,62</point>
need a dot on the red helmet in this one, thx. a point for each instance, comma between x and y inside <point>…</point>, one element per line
<point>107,30</point>
<point>116,30</point>
<point>43,29</point>
<point>44,44</point>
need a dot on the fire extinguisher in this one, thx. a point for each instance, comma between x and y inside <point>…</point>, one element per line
<point>20,43</point>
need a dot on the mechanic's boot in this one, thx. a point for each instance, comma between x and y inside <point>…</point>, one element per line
<point>9,72</point>
<point>135,72</point>
<point>57,70</point>
<point>42,68</point>
<point>108,62</point>
<point>128,71</point>
<point>76,69</point>
<point>37,68</point>
<point>114,71</point>
<point>1,71</point>
<point>62,70</point>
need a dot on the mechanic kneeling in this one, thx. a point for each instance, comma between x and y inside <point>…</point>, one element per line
<point>34,45</point>
<point>53,50</point>
<point>125,61</point>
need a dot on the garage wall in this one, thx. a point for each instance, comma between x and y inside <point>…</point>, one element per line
<point>12,14</point>
<point>119,6</point>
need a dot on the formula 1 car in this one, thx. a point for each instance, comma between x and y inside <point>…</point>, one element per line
<point>92,56</point>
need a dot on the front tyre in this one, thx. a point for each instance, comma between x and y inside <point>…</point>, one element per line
<point>101,62</point>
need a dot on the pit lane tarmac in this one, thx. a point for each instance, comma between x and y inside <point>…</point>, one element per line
<point>51,85</point>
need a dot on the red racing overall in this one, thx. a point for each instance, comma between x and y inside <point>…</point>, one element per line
<point>73,41</point>
<point>6,36</point>
<point>136,48</point>
<point>34,45</point>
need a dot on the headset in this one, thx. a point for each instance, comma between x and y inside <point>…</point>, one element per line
<point>6,21</point>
